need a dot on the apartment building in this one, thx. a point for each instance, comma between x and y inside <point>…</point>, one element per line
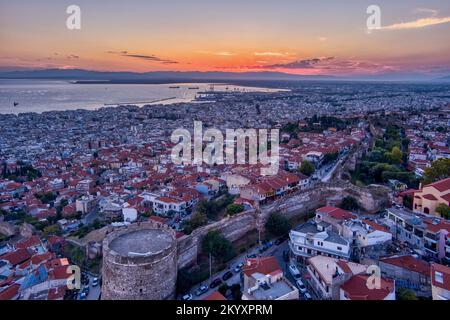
<point>326,275</point>
<point>312,239</point>
<point>264,280</point>
<point>440,282</point>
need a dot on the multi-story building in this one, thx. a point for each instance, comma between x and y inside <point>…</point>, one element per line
<point>440,282</point>
<point>312,239</point>
<point>427,234</point>
<point>165,205</point>
<point>428,198</point>
<point>326,275</point>
<point>358,288</point>
<point>264,280</point>
<point>85,204</point>
<point>409,272</point>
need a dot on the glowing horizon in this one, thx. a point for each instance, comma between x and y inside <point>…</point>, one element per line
<point>288,36</point>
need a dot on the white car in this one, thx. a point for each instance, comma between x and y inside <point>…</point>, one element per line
<point>294,271</point>
<point>307,296</point>
<point>238,268</point>
<point>187,297</point>
<point>301,287</point>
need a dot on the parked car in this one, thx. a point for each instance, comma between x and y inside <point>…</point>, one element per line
<point>227,275</point>
<point>215,283</point>
<point>83,296</point>
<point>307,296</point>
<point>201,290</point>
<point>238,268</point>
<point>294,271</point>
<point>95,282</point>
<point>187,297</point>
<point>301,287</point>
<point>251,256</point>
<point>86,290</point>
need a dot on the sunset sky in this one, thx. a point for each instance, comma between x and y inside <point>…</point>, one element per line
<point>294,36</point>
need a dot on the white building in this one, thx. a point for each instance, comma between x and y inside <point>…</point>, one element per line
<point>129,214</point>
<point>312,239</point>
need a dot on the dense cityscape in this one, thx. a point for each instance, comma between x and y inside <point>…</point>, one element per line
<point>363,185</point>
<point>204,159</point>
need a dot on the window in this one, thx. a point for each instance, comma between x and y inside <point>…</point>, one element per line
<point>439,277</point>
<point>339,248</point>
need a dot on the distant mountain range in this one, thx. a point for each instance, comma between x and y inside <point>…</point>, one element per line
<point>86,76</point>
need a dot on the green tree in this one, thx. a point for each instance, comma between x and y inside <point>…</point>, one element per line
<point>197,220</point>
<point>217,245</point>
<point>408,201</point>
<point>349,203</point>
<point>395,156</point>
<point>406,294</point>
<point>440,169</point>
<point>52,230</point>
<point>329,157</point>
<point>277,225</point>
<point>443,210</point>
<point>307,168</point>
<point>233,209</point>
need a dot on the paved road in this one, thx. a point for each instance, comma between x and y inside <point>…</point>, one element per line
<point>236,279</point>
<point>94,292</point>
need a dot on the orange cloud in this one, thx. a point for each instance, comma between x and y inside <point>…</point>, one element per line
<point>419,23</point>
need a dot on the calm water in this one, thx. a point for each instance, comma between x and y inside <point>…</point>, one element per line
<point>43,95</point>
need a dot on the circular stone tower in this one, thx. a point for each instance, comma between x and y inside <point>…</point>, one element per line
<point>140,263</point>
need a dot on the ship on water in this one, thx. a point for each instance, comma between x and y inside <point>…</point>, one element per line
<point>174,87</point>
<point>194,88</point>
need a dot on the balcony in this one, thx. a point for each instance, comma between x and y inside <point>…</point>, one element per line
<point>431,237</point>
<point>431,247</point>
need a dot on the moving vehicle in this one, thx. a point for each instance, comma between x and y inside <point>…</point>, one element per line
<point>201,290</point>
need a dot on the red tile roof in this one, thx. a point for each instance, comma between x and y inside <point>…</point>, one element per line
<point>336,213</point>
<point>356,288</point>
<point>264,265</point>
<point>10,292</point>
<point>409,263</point>
<point>376,226</point>
<point>344,266</point>
<point>34,241</point>
<point>215,296</point>
<point>429,197</point>
<point>16,257</point>
<point>59,273</point>
<point>442,185</point>
<point>57,293</point>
